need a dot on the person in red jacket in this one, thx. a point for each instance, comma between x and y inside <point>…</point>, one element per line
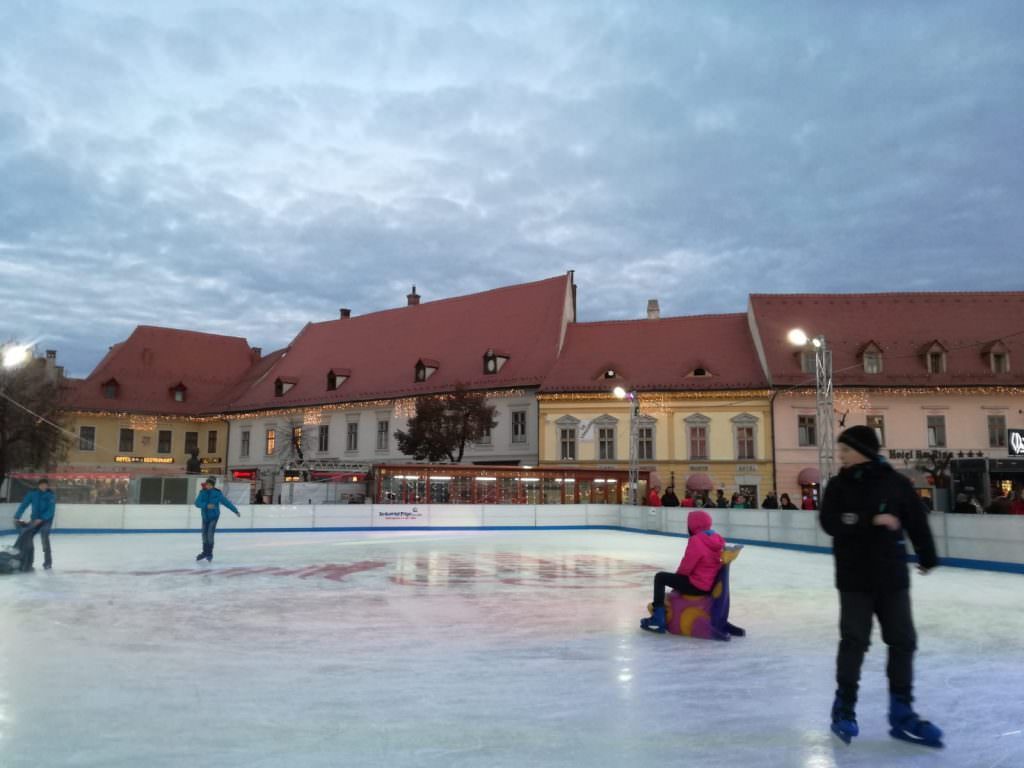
<point>654,497</point>
<point>697,570</point>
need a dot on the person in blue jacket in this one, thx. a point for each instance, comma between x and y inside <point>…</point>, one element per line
<point>209,501</point>
<point>44,504</point>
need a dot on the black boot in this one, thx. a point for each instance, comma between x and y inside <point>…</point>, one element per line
<point>200,556</point>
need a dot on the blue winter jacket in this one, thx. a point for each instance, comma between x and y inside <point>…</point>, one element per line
<point>43,503</point>
<point>209,500</point>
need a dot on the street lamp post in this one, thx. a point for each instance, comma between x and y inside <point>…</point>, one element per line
<point>633,480</point>
<point>824,402</point>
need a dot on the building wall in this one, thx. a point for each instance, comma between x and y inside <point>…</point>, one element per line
<point>501,448</point>
<point>668,415</point>
<point>906,426</point>
<point>107,453</point>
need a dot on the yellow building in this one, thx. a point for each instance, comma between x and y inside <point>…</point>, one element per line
<point>704,419</point>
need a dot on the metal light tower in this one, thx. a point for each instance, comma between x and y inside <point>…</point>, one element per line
<point>633,480</point>
<point>824,401</point>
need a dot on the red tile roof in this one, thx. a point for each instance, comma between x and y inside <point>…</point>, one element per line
<point>904,325</point>
<point>381,349</point>
<point>660,354</point>
<point>153,360</point>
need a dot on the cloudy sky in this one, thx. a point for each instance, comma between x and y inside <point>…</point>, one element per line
<point>243,168</point>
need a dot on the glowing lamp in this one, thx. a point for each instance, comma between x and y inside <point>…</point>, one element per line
<point>797,338</point>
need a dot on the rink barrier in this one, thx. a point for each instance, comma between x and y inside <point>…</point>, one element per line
<point>985,542</point>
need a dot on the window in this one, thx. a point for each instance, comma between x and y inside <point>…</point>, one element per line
<point>877,423</point>
<point>745,436</point>
<point>211,441</point>
<point>110,389</point>
<point>336,377</point>
<point>323,438</point>
<point>518,426</point>
<point>807,361</point>
<point>191,443</point>
<point>87,438</point>
<point>936,360</point>
<point>1000,362</point>
<point>382,435</point>
<point>352,436</point>
<point>271,441</point>
<point>997,431</point>
<point>244,449</point>
<point>494,361</point>
<point>297,438</point>
<point>126,440</point>
<point>606,443</point>
<point>936,431</point>
<point>163,441</point>
<point>283,386</point>
<point>873,361</point>
<point>485,438</point>
<point>698,442</point>
<point>425,369</point>
<point>807,429</point>
<point>645,444</point>
<point>179,394</point>
<point>567,441</point>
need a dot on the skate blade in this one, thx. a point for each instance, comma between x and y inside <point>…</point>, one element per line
<point>902,735</point>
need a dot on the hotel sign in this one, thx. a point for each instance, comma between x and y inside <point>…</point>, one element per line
<point>1015,442</point>
<point>143,460</point>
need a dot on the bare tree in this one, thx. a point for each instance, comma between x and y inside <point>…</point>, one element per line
<point>29,399</point>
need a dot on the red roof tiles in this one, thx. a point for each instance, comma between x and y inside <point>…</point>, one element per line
<point>152,361</point>
<point>660,354</point>
<point>380,350</point>
<point>905,326</point>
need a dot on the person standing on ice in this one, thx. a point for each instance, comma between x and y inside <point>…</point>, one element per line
<point>209,501</point>
<point>44,505</point>
<point>867,509</point>
<point>697,570</point>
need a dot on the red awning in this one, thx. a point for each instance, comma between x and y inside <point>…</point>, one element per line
<point>809,476</point>
<point>699,482</point>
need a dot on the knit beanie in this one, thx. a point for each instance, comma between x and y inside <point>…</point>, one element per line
<point>864,440</point>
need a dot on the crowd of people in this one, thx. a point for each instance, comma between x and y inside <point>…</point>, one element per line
<point>705,500</point>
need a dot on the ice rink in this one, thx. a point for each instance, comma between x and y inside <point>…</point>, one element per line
<point>470,649</point>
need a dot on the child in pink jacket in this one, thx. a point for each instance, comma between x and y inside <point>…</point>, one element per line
<point>697,571</point>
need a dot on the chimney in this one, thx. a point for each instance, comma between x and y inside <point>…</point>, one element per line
<point>257,353</point>
<point>414,298</point>
<point>344,313</point>
<point>653,310</point>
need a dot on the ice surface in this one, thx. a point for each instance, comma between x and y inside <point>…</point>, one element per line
<point>469,649</point>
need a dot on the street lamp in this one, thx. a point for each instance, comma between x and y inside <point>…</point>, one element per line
<point>15,355</point>
<point>824,401</point>
<point>634,440</point>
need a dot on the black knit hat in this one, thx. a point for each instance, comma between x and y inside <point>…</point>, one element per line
<point>864,440</point>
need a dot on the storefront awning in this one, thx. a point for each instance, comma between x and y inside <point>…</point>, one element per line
<point>699,482</point>
<point>809,476</point>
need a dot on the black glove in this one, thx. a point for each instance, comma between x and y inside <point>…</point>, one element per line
<point>20,524</point>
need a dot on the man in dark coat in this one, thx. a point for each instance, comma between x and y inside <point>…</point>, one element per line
<point>870,509</point>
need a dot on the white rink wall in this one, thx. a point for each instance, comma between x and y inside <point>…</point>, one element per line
<point>965,539</point>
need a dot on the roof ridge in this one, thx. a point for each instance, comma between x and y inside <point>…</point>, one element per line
<point>184,331</point>
<point>710,316</point>
<point>888,294</point>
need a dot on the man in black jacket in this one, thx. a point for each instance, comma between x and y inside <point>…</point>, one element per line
<point>867,509</point>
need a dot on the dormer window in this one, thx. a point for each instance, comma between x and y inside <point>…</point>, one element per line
<point>282,386</point>
<point>807,361</point>
<point>111,389</point>
<point>494,361</point>
<point>336,377</point>
<point>426,368</point>
<point>178,392</point>
<point>998,357</point>
<point>871,358</point>
<point>700,372</point>
<point>935,358</point>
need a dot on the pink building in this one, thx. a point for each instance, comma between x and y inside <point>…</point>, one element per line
<point>936,374</point>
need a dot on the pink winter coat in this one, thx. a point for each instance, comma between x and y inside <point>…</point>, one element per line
<point>703,556</point>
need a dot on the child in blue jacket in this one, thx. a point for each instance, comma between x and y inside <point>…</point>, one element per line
<point>44,504</point>
<point>209,501</point>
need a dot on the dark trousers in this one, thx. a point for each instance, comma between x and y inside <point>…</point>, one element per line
<point>677,581</point>
<point>855,617</point>
<point>209,529</point>
<point>26,543</point>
